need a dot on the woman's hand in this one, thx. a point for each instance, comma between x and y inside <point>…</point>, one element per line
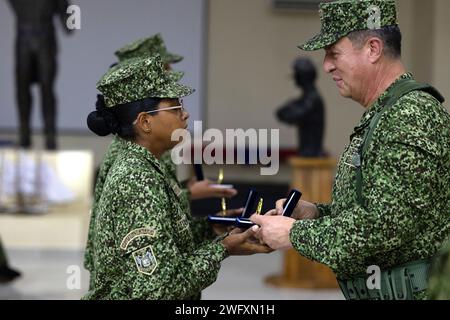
<point>221,229</point>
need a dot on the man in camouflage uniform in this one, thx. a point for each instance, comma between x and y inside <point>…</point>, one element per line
<point>439,286</point>
<point>391,197</point>
<point>144,244</point>
<point>141,48</point>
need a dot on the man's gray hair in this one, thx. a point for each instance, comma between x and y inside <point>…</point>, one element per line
<point>390,35</point>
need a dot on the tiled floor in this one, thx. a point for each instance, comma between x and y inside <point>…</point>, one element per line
<point>45,276</point>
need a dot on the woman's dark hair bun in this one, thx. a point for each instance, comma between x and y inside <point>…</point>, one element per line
<point>97,125</point>
<point>102,122</point>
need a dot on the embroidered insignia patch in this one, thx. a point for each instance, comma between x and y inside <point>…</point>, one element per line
<point>176,189</point>
<point>183,223</point>
<point>135,234</point>
<point>145,260</point>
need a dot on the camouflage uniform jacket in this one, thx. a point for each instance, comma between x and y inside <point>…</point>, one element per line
<point>439,286</point>
<point>201,229</point>
<point>406,181</point>
<point>110,157</point>
<point>144,246</point>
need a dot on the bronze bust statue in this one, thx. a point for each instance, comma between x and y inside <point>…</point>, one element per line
<point>306,112</point>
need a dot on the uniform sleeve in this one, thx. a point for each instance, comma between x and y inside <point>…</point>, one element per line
<point>111,155</point>
<point>399,195</point>
<point>201,230</point>
<point>153,263</point>
<point>324,209</point>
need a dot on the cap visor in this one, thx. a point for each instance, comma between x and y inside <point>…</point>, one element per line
<point>173,91</point>
<point>172,58</point>
<point>320,41</point>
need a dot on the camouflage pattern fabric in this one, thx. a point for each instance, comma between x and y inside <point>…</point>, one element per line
<point>137,79</point>
<point>143,244</point>
<point>110,157</point>
<point>130,51</point>
<point>406,179</point>
<point>148,46</point>
<point>439,285</point>
<point>175,76</point>
<point>339,18</point>
<point>200,227</point>
<point>171,168</point>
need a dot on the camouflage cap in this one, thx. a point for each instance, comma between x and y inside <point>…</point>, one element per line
<point>175,75</point>
<point>148,46</point>
<point>339,18</point>
<point>137,79</point>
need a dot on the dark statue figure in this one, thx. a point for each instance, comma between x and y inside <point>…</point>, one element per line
<point>306,112</point>
<point>36,50</point>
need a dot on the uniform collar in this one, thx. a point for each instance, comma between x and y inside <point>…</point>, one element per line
<point>379,103</point>
<point>145,154</point>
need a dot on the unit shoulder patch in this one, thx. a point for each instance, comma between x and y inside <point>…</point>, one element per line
<point>145,260</point>
<point>141,232</point>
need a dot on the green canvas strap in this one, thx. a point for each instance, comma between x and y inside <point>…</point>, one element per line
<point>402,88</point>
<point>399,283</point>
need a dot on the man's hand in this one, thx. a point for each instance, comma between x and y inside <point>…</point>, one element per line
<point>303,211</point>
<point>273,230</point>
<point>240,243</point>
<point>221,229</point>
<point>204,189</point>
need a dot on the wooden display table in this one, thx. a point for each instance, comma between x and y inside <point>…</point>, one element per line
<point>314,178</point>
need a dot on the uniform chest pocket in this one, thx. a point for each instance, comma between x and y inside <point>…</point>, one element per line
<point>344,188</point>
<point>349,162</point>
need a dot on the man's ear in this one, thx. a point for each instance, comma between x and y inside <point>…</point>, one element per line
<point>144,122</point>
<point>375,49</point>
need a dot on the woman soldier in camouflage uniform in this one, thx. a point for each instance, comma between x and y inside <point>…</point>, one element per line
<point>145,246</point>
<point>148,47</point>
